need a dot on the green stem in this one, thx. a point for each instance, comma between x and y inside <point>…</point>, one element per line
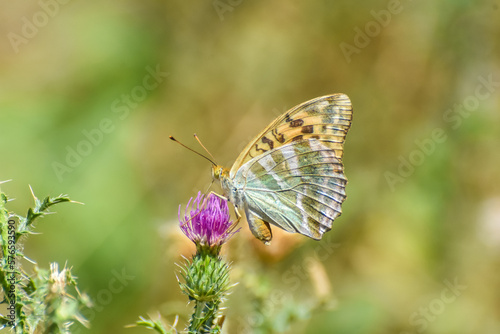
<point>196,319</point>
<point>210,314</point>
<point>203,317</point>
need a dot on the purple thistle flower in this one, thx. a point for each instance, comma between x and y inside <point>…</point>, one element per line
<point>206,222</point>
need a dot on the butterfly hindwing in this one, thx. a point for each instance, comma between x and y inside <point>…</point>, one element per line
<point>326,118</point>
<point>298,187</point>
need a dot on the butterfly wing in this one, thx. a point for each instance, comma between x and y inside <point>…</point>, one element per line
<point>298,187</point>
<point>325,118</point>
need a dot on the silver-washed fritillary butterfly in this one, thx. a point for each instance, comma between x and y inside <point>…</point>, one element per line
<point>291,174</point>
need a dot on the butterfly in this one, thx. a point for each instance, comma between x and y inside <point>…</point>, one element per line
<point>291,174</point>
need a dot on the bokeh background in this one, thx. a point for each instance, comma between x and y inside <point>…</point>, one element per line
<point>417,247</point>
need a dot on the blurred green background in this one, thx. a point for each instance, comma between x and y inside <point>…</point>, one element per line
<point>417,247</point>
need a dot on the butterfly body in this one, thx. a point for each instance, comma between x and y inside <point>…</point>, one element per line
<point>291,175</point>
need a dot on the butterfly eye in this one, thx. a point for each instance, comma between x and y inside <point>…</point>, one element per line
<point>216,172</point>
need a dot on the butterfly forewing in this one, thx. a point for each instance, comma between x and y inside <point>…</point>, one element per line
<point>327,118</point>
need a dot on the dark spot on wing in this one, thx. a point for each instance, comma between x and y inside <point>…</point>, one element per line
<point>307,129</point>
<point>268,141</point>
<point>257,148</point>
<point>296,122</point>
<point>278,136</point>
<point>299,137</point>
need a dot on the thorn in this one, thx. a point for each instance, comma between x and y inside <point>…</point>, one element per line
<point>29,260</point>
<point>175,321</point>
<point>32,193</point>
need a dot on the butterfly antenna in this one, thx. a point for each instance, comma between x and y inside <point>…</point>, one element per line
<point>201,155</point>
<point>199,141</point>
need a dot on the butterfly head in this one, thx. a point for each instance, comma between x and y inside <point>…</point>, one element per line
<point>222,175</point>
<point>219,172</point>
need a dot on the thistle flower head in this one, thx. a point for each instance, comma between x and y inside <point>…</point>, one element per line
<point>206,222</point>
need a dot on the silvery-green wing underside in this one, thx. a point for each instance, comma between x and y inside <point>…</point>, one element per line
<point>298,187</point>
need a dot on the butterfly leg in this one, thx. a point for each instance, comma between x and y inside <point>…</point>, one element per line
<point>218,195</point>
<point>260,229</point>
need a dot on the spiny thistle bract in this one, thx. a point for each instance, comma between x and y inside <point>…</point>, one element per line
<point>39,301</point>
<point>205,276</point>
